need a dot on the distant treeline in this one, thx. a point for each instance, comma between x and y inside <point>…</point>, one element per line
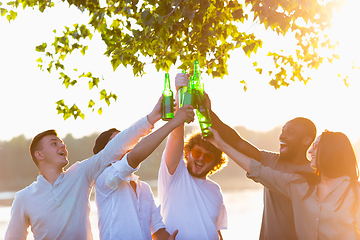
<point>17,169</point>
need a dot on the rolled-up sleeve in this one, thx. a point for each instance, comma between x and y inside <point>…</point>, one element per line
<point>272,179</point>
<point>112,176</point>
<point>156,222</point>
<point>124,170</point>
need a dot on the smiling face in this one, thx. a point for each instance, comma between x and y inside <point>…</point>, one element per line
<point>200,162</point>
<point>52,152</point>
<point>291,140</point>
<point>312,152</point>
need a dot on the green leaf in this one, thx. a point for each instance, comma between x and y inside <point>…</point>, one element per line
<point>3,11</point>
<point>93,82</point>
<point>91,104</point>
<point>115,63</point>
<point>259,70</point>
<point>102,94</point>
<point>12,15</point>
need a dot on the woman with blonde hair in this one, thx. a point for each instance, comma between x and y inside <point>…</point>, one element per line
<point>325,202</point>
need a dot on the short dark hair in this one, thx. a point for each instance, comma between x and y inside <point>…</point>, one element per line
<point>196,139</point>
<point>103,139</point>
<point>308,125</point>
<point>35,143</point>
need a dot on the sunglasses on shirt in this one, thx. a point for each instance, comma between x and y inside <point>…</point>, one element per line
<point>196,153</point>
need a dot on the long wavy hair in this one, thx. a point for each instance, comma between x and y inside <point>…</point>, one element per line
<point>335,157</point>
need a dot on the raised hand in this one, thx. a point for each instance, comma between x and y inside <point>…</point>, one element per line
<point>184,114</point>
<point>207,101</point>
<point>155,114</point>
<point>216,140</point>
<point>181,80</point>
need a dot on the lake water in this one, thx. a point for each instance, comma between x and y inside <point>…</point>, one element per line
<point>244,210</point>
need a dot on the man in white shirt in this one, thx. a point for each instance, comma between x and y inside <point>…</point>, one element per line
<point>190,201</point>
<point>57,206</point>
<point>126,206</point>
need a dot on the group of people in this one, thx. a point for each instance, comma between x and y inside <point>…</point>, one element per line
<point>316,199</point>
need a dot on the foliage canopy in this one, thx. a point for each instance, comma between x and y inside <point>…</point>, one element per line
<point>164,32</point>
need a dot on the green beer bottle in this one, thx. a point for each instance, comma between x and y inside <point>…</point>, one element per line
<point>190,95</point>
<point>203,116</point>
<point>167,104</point>
<point>202,112</point>
<point>181,92</point>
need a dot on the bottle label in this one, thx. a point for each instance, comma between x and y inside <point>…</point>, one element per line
<point>167,107</point>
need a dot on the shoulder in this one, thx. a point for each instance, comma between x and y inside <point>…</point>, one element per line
<point>213,186</point>
<point>25,193</point>
<point>269,158</point>
<point>77,166</point>
<point>144,185</point>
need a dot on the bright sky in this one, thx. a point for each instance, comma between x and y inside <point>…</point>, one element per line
<point>28,96</point>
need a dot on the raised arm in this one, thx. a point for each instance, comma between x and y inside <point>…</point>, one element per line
<point>231,137</point>
<point>175,143</point>
<point>148,144</point>
<point>272,179</point>
<point>239,158</point>
<point>115,149</point>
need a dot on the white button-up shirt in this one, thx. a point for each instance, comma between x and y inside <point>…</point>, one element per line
<point>122,213</point>
<point>61,210</point>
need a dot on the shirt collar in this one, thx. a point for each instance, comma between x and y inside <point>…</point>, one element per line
<point>40,179</point>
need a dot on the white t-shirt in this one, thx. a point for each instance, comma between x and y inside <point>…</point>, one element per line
<point>122,214</point>
<point>61,210</point>
<point>192,205</point>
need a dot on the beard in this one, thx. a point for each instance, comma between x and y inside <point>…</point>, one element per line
<point>197,175</point>
<point>288,155</point>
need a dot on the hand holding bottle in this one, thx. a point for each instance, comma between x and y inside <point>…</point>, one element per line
<point>216,140</point>
<point>156,113</point>
<point>184,114</point>
<point>181,80</point>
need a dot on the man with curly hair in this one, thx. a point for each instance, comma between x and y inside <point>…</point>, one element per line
<point>190,201</point>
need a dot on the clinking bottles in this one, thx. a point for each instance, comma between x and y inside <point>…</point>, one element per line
<point>167,104</point>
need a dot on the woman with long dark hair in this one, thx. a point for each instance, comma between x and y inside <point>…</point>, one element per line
<point>325,202</point>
